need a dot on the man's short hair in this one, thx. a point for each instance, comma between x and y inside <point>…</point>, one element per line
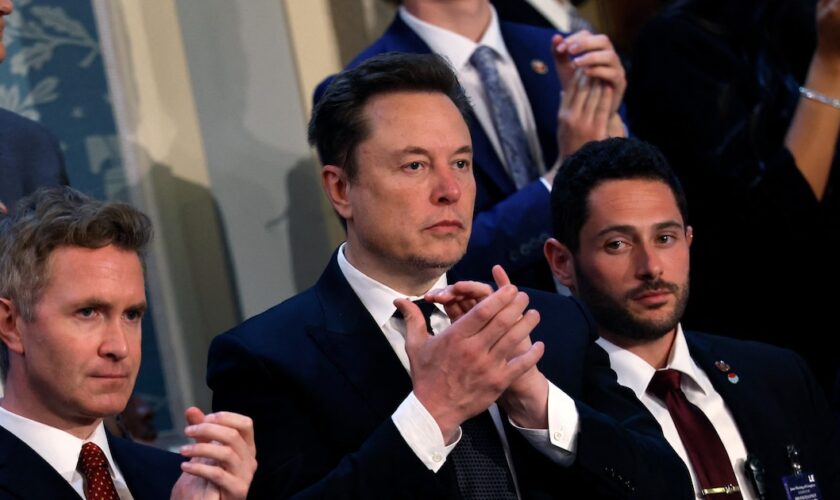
<point>596,162</point>
<point>57,217</point>
<point>338,126</point>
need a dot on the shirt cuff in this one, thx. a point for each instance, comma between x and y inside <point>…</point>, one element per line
<point>559,441</point>
<point>422,434</point>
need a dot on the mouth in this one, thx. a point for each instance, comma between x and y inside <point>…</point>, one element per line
<point>446,226</point>
<point>652,298</point>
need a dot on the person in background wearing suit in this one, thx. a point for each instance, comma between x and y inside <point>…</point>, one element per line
<point>29,153</point>
<point>521,125</point>
<point>71,301</point>
<point>350,395</point>
<point>622,246</point>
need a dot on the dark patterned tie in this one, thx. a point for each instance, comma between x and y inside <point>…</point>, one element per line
<point>479,459</point>
<point>512,136</point>
<point>94,468</point>
<point>705,450</point>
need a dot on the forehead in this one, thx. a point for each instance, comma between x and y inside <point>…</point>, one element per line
<point>635,202</point>
<point>92,268</point>
<point>424,119</point>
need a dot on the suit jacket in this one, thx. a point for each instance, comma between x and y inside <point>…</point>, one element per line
<point>149,473</point>
<point>321,383</point>
<point>29,158</point>
<point>510,227</point>
<point>776,402</point>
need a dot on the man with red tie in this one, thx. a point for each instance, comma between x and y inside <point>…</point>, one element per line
<point>748,419</point>
<point>72,299</point>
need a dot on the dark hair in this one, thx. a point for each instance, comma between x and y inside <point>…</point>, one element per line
<point>338,125</point>
<point>51,218</point>
<point>596,162</point>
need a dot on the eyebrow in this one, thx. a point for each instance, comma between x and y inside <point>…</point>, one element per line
<point>628,229</point>
<point>466,149</point>
<point>98,303</point>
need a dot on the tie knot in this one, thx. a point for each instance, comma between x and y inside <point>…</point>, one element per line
<point>427,308</point>
<point>482,57</point>
<point>92,458</point>
<point>665,381</point>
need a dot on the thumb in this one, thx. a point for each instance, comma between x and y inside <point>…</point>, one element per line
<point>194,415</point>
<point>415,326</point>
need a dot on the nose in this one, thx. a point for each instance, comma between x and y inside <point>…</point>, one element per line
<point>648,262</point>
<point>447,185</point>
<point>114,343</point>
<point>6,7</point>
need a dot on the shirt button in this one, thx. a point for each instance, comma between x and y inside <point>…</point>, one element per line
<point>437,457</point>
<point>558,435</point>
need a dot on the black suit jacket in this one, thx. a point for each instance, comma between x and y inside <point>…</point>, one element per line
<point>321,383</point>
<point>510,226</point>
<point>776,402</point>
<point>29,158</point>
<point>149,473</point>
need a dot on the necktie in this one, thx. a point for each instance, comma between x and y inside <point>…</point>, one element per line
<point>702,444</point>
<point>480,464</point>
<point>578,22</point>
<point>514,143</point>
<point>94,468</point>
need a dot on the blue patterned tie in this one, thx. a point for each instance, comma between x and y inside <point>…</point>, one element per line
<point>515,148</point>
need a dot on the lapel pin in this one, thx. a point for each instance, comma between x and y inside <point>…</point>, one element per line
<point>722,366</point>
<point>539,67</point>
<point>733,378</point>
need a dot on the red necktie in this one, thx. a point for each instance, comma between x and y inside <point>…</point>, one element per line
<point>705,450</point>
<point>94,468</point>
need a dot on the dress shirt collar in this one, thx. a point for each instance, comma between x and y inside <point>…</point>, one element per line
<point>60,449</point>
<point>636,373</point>
<point>377,298</point>
<point>457,48</point>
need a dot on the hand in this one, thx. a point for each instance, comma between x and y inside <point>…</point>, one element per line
<point>584,116</point>
<point>595,56</point>
<point>459,298</point>
<point>222,462</point>
<point>461,371</point>
<point>3,209</point>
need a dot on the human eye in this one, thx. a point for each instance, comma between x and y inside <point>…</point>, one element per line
<point>413,166</point>
<point>134,314</point>
<point>86,312</point>
<point>462,164</point>
<point>615,245</point>
<point>666,239</point>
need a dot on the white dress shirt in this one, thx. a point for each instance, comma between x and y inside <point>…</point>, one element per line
<point>61,450</point>
<point>415,423</point>
<point>458,50</point>
<point>636,373</point>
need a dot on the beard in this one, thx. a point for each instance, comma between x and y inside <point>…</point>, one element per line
<point>613,316</point>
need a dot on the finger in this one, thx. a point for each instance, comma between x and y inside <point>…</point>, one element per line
<point>234,486</point>
<point>503,322</point>
<point>213,453</point>
<point>517,366</point>
<point>415,325</point>
<point>604,111</point>
<point>583,41</point>
<point>582,86</point>
<point>593,101</point>
<point>244,425</point>
<point>509,345</point>
<point>563,64</point>
<point>193,415</point>
<point>478,318</point>
<point>206,432</point>
<point>500,276</point>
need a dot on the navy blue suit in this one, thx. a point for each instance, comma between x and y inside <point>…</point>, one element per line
<point>29,158</point>
<point>149,473</point>
<point>510,227</point>
<point>776,402</point>
<point>321,383</point>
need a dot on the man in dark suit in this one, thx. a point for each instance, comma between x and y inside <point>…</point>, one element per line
<point>71,302</point>
<point>29,154</point>
<point>350,395</point>
<point>511,221</point>
<point>622,246</point>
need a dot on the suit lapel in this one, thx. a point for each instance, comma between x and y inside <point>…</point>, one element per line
<point>24,474</point>
<point>355,344</point>
<point>742,398</point>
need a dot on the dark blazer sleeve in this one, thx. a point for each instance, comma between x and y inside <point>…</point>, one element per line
<point>149,473</point>
<point>312,440</point>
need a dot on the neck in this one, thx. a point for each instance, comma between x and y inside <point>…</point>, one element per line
<point>654,352</point>
<point>28,407</point>
<point>397,276</point>
<point>468,18</point>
